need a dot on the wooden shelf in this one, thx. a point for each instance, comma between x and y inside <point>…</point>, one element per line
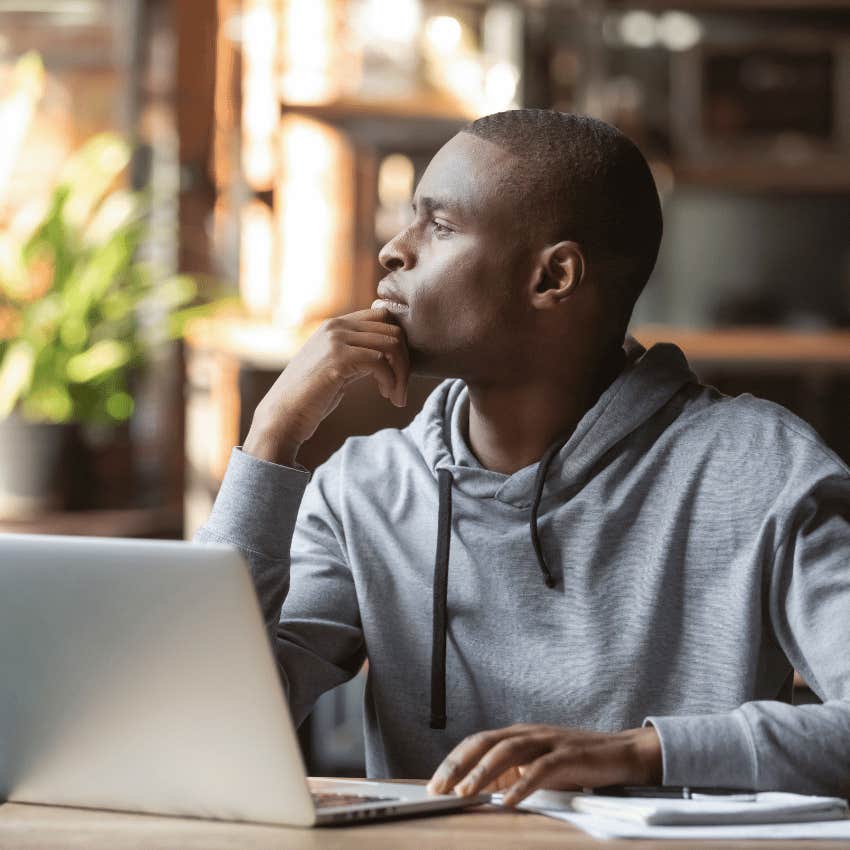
<point>155,522</point>
<point>766,347</point>
<point>825,174</point>
<point>427,105</point>
<point>422,121</point>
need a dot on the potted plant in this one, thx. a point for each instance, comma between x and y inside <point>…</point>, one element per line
<point>80,314</point>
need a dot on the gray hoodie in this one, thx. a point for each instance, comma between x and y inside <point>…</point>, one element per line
<point>698,550</point>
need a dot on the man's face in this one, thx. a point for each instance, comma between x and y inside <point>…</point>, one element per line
<point>458,266</point>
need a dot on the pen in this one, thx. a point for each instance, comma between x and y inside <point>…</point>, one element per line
<point>681,792</point>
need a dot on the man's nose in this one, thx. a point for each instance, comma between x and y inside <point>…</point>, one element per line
<point>396,254</point>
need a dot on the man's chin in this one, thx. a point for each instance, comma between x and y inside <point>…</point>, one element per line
<point>428,365</point>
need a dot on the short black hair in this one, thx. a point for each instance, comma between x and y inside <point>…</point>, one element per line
<point>581,179</point>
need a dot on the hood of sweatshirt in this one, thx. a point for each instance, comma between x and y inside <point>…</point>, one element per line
<point>647,382</point>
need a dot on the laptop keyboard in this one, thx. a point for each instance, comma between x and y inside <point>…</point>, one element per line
<point>327,800</point>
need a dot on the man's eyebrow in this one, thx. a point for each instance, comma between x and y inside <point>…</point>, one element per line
<point>431,204</point>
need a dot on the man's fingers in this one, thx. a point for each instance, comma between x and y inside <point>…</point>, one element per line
<point>570,767</point>
<point>386,337</point>
<point>400,364</point>
<point>368,361</point>
<point>464,757</point>
<point>511,752</point>
<point>373,326</point>
<point>379,314</point>
<point>547,771</point>
<point>395,352</point>
<point>382,342</point>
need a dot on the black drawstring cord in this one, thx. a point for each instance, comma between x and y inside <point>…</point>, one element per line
<point>441,577</point>
<point>539,481</point>
<point>441,586</point>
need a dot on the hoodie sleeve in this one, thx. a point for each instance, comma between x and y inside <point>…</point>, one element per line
<point>280,521</point>
<point>770,744</point>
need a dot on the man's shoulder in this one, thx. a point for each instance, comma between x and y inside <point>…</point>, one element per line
<point>362,459</point>
<point>750,428</point>
<point>386,444</point>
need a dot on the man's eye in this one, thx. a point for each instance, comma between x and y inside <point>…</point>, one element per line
<point>440,228</point>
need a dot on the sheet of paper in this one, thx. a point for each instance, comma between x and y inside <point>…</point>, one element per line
<point>602,827</point>
<point>764,807</point>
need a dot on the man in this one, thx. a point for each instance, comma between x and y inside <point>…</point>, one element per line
<point>577,566</point>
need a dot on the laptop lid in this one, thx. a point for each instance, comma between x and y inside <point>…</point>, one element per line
<point>138,676</point>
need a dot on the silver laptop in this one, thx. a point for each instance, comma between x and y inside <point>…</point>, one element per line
<point>138,676</point>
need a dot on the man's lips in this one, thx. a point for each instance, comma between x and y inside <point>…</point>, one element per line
<point>389,300</point>
<point>393,306</point>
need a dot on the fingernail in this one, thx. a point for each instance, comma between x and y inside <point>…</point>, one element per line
<point>463,789</point>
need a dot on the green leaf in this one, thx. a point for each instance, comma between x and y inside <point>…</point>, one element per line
<point>90,281</point>
<point>52,403</point>
<point>120,406</point>
<point>15,375</point>
<point>90,172</point>
<point>103,357</point>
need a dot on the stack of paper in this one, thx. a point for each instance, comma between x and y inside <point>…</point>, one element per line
<point>769,815</point>
<point>767,807</point>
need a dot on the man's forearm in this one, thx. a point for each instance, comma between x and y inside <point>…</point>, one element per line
<point>766,745</point>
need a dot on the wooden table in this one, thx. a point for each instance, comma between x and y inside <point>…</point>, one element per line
<point>27,827</point>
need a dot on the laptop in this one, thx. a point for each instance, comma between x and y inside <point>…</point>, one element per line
<point>137,676</point>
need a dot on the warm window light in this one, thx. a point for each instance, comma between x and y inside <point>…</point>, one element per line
<point>679,30</point>
<point>314,222</point>
<point>16,114</point>
<point>259,30</point>
<point>464,77</point>
<point>308,36</point>
<point>256,258</point>
<point>260,109</point>
<point>388,20</point>
<point>443,33</point>
<point>260,113</point>
<point>395,189</point>
<point>638,29</point>
<point>500,86</point>
<point>395,180</point>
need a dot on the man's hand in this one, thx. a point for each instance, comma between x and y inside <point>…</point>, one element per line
<point>549,757</point>
<point>341,351</point>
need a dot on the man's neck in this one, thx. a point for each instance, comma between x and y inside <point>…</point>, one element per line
<point>510,427</point>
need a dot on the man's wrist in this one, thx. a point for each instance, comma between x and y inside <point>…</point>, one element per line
<point>644,746</point>
<point>266,445</point>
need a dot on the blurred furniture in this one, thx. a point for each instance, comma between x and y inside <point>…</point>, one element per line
<point>52,826</point>
<point>161,522</point>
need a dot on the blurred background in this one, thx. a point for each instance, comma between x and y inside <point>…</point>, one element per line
<point>188,187</point>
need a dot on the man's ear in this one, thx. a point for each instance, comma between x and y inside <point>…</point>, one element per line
<point>559,272</point>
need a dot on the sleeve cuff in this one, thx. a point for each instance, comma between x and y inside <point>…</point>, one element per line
<point>706,750</point>
<point>257,504</point>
